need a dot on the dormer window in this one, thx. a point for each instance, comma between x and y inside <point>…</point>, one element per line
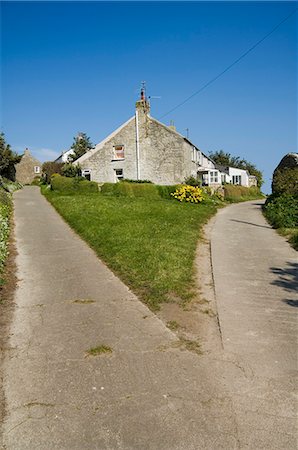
<point>118,152</point>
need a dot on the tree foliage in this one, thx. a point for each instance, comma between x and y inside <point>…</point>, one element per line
<point>80,146</point>
<point>49,168</point>
<point>226,159</point>
<point>71,171</point>
<point>8,159</point>
<point>285,181</point>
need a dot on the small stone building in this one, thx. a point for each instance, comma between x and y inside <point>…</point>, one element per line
<point>145,149</point>
<point>28,168</point>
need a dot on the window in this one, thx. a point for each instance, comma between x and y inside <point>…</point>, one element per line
<point>199,157</point>
<point>87,174</point>
<point>118,152</point>
<point>36,169</point>
<point>193,157</point>
<point>236,179</point>
<point>119,174</point>
<point>213,176</point>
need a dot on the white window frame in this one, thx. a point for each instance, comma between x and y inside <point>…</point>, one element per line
<point>119,176</point>
<point>213,177</point>
<point>86,172</point>
<point>193,154</point>
<point>115,150</point>
<point>36,169</point>
<point>236,179</point>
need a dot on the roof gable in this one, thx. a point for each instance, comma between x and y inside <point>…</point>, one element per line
<point>99,146</point>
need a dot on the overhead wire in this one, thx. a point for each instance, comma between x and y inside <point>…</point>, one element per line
<point>231,65</point>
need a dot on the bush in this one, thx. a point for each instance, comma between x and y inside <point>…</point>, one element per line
<point>72,185</point>
<point>127,189</point>
<point>36,181</point>
<point>237,193</point>
<point>71,171</point>
<point>190,194</point>
<point>166,191</point>
<point>282,211</point>
<point>5,211</point>
<point>107,188</point>
<point>5,198</point>
<point>49,168</point>
<point>285,181</point>
<point>192,181</point>
<point>137,181</point>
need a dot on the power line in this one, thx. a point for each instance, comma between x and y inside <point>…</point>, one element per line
<point>231,65</point>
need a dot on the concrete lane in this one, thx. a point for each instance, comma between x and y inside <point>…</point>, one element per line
<point>148,393</point>
<point>256,284</point>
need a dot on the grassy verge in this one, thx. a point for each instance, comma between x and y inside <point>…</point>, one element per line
<point>149,243</point>
<point>281,211</point>
<point>291,234</point>
<point>5,212</point>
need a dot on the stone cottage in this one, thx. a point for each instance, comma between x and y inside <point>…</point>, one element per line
<point>28,168</point>
<point>145,149</point>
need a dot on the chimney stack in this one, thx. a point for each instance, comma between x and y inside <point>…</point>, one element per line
<point>142,105</point>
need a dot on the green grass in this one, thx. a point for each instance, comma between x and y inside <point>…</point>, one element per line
<point>99,350</point>
<point>291,234</point>
<point>5,213</point>
<point>149,243</point>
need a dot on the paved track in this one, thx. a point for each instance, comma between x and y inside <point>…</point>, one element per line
<point>256,283</point>
<point>149,393</point>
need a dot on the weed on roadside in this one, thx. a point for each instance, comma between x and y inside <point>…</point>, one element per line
<point>81,301</point>
<point>173,325</point>
<point>99,350</point>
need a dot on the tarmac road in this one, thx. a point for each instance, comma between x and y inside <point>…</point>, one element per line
<point>148,393</point>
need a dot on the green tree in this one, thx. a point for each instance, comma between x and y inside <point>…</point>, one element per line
<point>226,159</point>
<point>8,159</point>
<point>49,168</point>
<point>71,171</point>
<point>80,146</point>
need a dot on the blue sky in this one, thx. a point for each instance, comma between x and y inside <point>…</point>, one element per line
<point>78,66</point>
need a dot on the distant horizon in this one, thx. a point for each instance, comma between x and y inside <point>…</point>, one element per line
<point>70,67</point>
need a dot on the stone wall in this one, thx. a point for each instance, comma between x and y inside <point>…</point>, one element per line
<point>25,172</point>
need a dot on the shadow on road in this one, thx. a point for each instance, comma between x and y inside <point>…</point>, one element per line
<point>287,279</point>
<point>291,303</point>
<point>250,223</point>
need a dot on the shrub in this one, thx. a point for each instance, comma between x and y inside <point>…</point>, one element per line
<point>72,185</point>
<point>107,188</point>
<point>282,211</point>
<point>5,211</point>
<point>126,189</point>
<point>235,193</point>
<point>166,191</point>
<point>36,181</point>
<point>71,171</point>
<point>136,181</point>
<point>285,181</point>
<point>186,193</point>
<point>49,168</point>
<point>192,181</point>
